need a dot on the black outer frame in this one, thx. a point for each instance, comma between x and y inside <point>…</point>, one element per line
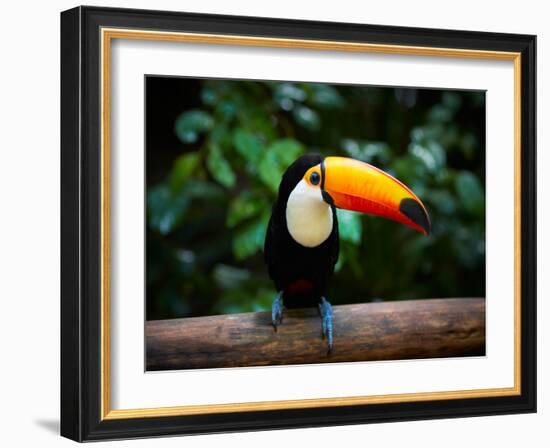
<point>80,223</point>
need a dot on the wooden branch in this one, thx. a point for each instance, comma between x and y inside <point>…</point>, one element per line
<point>365,332</point>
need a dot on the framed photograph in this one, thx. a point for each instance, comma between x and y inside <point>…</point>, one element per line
<point>275,224</point>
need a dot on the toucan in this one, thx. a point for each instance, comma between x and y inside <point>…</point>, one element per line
<point>302,242</point>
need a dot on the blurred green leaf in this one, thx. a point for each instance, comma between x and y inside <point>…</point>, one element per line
<point>352,148</point>
<point>221,136</point>
<point>183,168</point>
<point>442,200</point>
<point>326,96</point>
<point>349,225</point>
<point>263,300</point>
<point>287,150</point>
<point>248,145</point>
<point>165,209</point>
<point>209,96</point>
<point>270,170</point>
<point>292,91</point>
<point>228,277</point>
<point>370,152</point>
<point>409,169</point>
<point>285,94</point>
<point>341,261</point>
<point>432,154</point>
<point>307,118</point>
<point>186,261</point>
<point>470,192</point>
<point>243,207</point>
<point>192,123</point>
<point>228,108</point>
<point>199,189</point>
<point>278,156</point>
<point>378,151</point>
<point>219,167</point>
<point>250,239</point>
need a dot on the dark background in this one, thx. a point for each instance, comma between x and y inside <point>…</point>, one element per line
<point>215,152</point>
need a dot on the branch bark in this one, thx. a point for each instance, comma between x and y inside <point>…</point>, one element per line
<point>364,332</point>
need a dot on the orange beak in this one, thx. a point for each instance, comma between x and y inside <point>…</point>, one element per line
<point>358,186</point>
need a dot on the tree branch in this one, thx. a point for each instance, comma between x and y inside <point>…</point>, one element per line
<point>364,332</point>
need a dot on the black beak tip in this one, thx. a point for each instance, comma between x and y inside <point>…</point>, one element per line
<point>416,213</point>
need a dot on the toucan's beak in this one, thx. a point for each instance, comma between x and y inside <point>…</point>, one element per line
<point>358,186</point>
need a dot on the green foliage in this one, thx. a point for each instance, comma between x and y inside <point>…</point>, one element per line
<point>191,123</point>
<point>249,146</point>
<point>165,209</point>
<point>184,166</point>
<point>470,193</point>
<point>250,238</point>
<point>208,207</point>
<point>278,156</point>
<point>219,167</point>
<point>350,227</point>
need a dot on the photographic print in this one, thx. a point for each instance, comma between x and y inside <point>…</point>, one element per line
<point>304,222</point>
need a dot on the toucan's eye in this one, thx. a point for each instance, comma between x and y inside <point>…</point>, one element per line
<point>314,178</point>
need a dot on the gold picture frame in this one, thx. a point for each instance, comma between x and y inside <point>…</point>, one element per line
<point>117,26</point>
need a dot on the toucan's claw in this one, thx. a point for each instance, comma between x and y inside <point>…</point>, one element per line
<point>277,311</point>
<point>325,308</point>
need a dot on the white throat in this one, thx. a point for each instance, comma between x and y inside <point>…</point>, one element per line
<point>308,216</point>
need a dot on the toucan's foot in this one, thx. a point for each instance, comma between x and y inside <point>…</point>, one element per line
<point>325,308</point>
<point>277,308</point>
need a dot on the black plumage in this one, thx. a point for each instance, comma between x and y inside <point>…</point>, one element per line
<point>300,273</point>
